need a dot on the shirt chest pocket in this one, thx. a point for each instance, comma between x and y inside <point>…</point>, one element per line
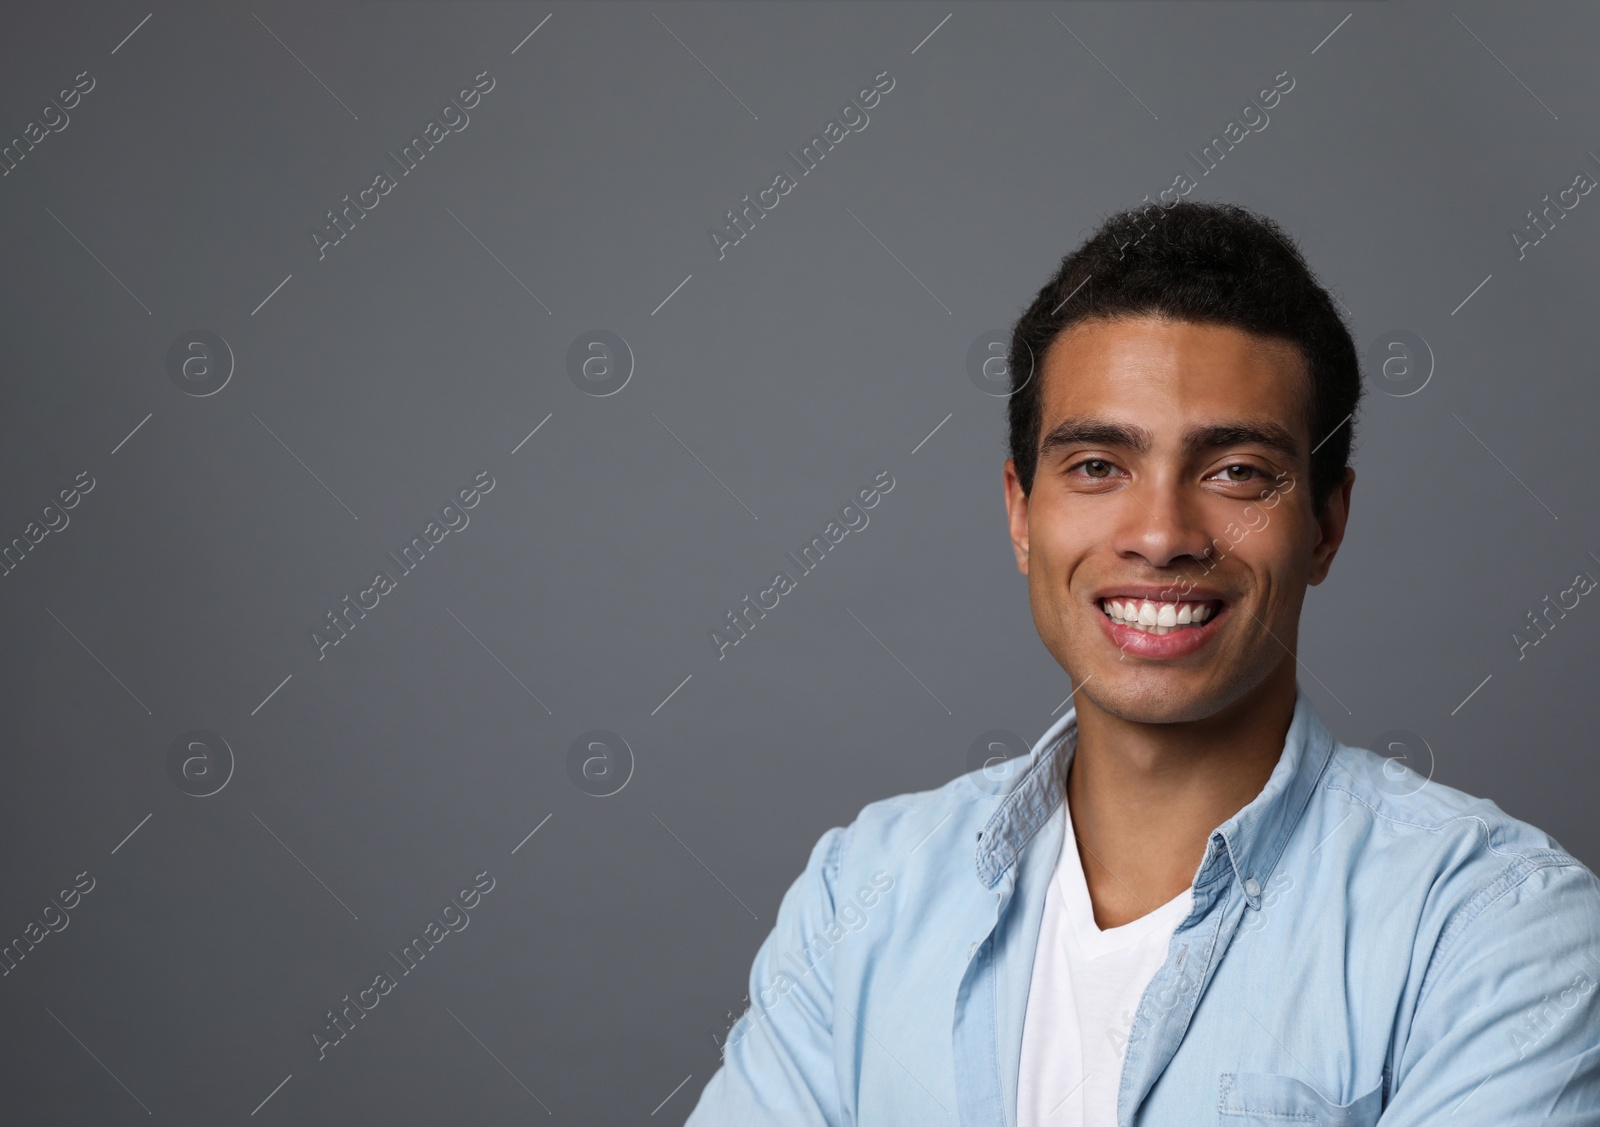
<point>1259,1099</point>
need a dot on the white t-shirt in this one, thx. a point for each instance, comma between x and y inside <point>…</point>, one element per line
<point>1086,986</point>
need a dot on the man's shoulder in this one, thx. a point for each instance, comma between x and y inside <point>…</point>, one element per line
<point>1463,850</point>
<point>1399,789</point>
<point>933,828</point>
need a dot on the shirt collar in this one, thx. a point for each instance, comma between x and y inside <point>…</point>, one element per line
<point>1251,840</point>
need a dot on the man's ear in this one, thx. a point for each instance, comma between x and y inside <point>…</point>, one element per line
<point>1330,528</point>
<point>1017,515</point>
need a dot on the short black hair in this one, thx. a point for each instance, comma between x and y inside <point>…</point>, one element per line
<point>1209,263</point>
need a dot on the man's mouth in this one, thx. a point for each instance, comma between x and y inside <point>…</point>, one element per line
<point>1154,617</point>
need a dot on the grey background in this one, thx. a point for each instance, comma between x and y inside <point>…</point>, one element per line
<point>769,387</point>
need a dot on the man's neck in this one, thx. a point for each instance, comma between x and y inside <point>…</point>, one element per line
<point>1144,798</point>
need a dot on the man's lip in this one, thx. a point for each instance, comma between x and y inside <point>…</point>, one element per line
<point>1171,646</point>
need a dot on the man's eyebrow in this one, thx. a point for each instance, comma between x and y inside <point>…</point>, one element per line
<point>1094,432</point>
<point>1246,432</point>
<point>1103,432</point>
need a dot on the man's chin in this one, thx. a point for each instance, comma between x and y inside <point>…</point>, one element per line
<point>1157,697</point>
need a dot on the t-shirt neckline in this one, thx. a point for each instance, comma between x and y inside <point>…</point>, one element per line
<point>1073,889</point>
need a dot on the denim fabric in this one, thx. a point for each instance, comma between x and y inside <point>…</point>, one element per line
<point>1366,946</point>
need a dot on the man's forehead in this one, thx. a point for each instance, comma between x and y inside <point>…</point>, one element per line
<point>1149,368</point>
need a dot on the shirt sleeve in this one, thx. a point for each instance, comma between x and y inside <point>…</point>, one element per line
<point>778,1061</point>
<point>1507,1028</point>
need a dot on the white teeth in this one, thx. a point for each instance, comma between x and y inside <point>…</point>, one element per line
<point>1156,618</point>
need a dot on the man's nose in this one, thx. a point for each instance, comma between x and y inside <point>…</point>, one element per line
<point>1162,525</point>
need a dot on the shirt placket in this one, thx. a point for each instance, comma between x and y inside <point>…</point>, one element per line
<point>991,996</point>
<point>975,1033</point>
<point>1169,1002</point>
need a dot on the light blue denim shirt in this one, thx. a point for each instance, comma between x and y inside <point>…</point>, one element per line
<point>1366,947</point>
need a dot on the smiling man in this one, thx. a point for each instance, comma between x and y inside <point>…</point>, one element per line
<point>1190,904</point>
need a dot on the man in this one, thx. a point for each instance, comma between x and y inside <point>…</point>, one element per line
<point>1190,905</point>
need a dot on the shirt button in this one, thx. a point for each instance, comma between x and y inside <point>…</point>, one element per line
<point>972,950</point>
<point>1252,887</point>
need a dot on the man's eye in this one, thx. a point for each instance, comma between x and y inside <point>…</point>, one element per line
<point>1245,472</point>
<point>1095,467</point>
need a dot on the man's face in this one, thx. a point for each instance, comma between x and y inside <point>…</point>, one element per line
<point>1169,536</point>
